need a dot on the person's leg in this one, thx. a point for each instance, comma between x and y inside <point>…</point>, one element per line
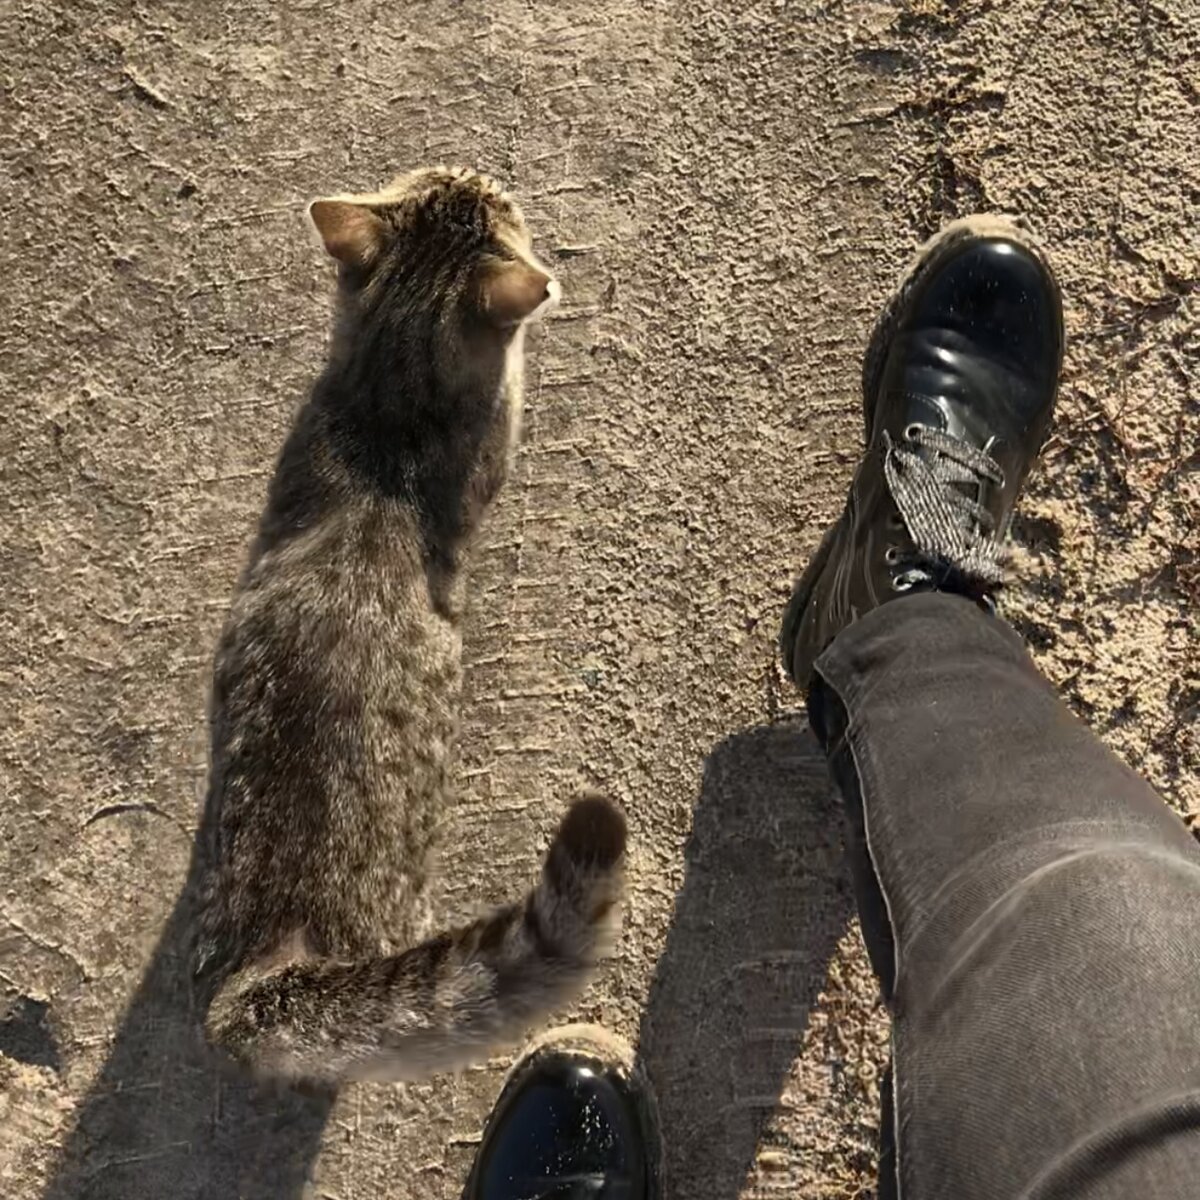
<point>1029,904</point>
<point>1037,919</point>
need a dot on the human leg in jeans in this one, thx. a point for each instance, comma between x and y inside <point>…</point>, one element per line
<point>1032,908</point>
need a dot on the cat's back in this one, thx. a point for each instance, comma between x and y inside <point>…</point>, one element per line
<point>334,707</point>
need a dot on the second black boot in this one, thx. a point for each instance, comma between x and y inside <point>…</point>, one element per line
<point>575,1121</point>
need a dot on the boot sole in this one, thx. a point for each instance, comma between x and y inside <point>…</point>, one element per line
<point>927,258</point>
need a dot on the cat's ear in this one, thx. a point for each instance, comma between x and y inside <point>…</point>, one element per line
<point>514,291</point>
<point>352,233</point>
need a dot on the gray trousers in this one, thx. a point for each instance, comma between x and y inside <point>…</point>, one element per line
<point>1032,909</point>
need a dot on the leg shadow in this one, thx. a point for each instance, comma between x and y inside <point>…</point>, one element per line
<point>765,899</point>
<point>165,1118</point>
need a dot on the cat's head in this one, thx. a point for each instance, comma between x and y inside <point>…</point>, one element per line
<point>438,244</point>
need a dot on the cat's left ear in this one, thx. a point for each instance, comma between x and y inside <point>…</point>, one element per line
<point>513,292</point>
<point>352,233</point>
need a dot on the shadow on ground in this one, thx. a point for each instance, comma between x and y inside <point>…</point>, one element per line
<point>763,904</point>
<point>765,899</point>
<point>165,1119</point>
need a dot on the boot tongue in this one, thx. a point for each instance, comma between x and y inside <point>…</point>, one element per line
<point>942,413</point>
<point>933,400</point>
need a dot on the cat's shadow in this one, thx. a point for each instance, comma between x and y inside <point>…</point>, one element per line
<point>165,1119</point>
<point>765,900</point>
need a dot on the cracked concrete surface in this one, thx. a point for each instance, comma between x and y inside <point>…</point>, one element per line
<point>728,193</point>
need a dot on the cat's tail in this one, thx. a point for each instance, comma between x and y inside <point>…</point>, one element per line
<point>445,1002</point>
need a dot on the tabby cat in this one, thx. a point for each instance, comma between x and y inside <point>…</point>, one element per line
<point>337,676</point>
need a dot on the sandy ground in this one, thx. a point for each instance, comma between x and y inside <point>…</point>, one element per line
<point>728,192</point>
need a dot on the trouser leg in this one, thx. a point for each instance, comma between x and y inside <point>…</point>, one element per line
<point>1032,908</point>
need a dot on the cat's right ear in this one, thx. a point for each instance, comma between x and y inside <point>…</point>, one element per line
<point>352,233</point>
<point>512,292</point>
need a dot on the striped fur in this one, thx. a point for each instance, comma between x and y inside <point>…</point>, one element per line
<point>441,1004</point>
<point>337,676</point>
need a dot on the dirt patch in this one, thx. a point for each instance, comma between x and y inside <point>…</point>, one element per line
<point>728,194</point>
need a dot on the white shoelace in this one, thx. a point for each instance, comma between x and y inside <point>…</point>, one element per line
<point>947,527</point>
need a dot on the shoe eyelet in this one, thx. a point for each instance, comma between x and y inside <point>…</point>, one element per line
<point>891,555</point>
<point>895,520</point>
<point>910,430</point>
<point>905,581</point>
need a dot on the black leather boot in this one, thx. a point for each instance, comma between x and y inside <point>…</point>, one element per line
<point>574,1122</point>
<point>958,391</point>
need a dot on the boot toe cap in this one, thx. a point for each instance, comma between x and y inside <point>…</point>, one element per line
<point>566,1127</point>
<point>997,294</point>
